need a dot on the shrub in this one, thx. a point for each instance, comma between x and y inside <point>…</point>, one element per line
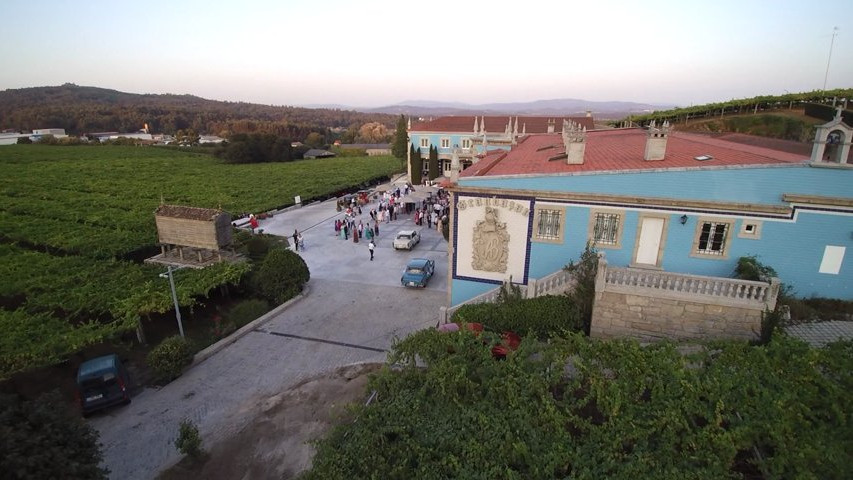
<point>583,295</point>
<point>749,268</point>
<point>545,316</point>
<point>168,359</point>
<point>189,440</point>
<point>281,276</point>
<point>24,141</point>
<point>41,439</point>
<point>246,311</point>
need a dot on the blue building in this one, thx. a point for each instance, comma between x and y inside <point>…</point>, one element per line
<point>658,200</point>
<point>470,136</point>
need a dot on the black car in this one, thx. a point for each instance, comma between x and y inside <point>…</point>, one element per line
<point>102,382</point>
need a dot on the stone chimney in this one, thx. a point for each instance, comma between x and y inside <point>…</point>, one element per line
<point>550,125</point>
<point>656,142</point>
<point>574,138</point>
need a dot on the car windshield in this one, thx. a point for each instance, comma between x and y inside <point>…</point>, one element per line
<point>404,236</point>
<point>415,270</point>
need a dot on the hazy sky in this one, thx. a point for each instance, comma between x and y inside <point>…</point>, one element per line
<point>373,53</point>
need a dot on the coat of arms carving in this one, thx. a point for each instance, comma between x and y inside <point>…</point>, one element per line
<point>491,244</point>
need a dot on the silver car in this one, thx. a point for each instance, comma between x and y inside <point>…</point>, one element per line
<point>406,239</point>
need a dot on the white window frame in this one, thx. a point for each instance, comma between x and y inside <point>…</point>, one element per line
<point>466,143</point>
<point>555,233</point>
<point>424,142</point>
<point>708,251</point>
<point>620,227</point>
<point>445,142</point>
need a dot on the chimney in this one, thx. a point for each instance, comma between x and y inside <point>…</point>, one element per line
<point>656,142</point>
<point>550,125</point>
<point>574,138</point>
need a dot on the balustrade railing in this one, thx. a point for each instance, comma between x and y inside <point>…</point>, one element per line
<point>679,285</point>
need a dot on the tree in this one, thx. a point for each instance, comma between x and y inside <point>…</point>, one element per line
<point>256,148</point>
<point>315,140</point>
<point>401,139</point>
<point>373,132</point>
<point>415,164</point>
<point>281,276</point>
<point>41,439</point>
<point>433,163</point>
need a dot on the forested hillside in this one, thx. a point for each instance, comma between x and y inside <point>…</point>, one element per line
<point>90,109</point>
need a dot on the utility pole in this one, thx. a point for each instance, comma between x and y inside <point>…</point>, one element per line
<point>174,298</point>
<point>831,44</point>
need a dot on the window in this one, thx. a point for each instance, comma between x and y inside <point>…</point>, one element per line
<point>466,143</point>
<point>548,224</point>
<point>605,228</point>
<point>750,229</point>
<point>712,239</point>
<point>445,143</point>
<point>425,167</point>
<point>424,142</point>
<point>833,257</point>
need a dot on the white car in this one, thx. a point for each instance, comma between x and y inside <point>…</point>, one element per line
<point>406,239</point>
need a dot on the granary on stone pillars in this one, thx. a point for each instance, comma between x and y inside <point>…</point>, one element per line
<point>191,236</point>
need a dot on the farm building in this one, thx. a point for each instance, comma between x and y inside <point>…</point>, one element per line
<point>191,236</point>
<point>469,136</point>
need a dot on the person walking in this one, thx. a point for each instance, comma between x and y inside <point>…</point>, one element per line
<point>376,229</point>
<point>371,246</point>
<point>300,242</point>
<point>295,240</point>
<point>253,222</point>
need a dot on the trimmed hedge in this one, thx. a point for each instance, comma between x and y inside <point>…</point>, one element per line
<point>545,316</point>
<point>281,276</point>
<point>169,358</point>
<point>246,311</point>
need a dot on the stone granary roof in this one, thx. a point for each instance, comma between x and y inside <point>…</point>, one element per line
<point>189,213</point>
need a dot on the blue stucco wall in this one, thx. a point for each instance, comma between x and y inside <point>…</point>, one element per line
<point>752,185</point>
<point>455,140</point>
<point>794,248</point>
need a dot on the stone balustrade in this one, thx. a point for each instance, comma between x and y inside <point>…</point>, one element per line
<point>680,286</point>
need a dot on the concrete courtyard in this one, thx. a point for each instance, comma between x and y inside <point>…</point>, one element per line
<point>352,312</point>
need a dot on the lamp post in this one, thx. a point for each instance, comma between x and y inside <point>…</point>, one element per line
<point>174,297</point>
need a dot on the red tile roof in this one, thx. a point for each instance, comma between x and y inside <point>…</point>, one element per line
<point>496,124</point>
<point>621,150</point>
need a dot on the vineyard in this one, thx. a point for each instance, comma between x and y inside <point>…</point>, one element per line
<point>74,222</point>
<point>758,104</point>
<point>579,408</point>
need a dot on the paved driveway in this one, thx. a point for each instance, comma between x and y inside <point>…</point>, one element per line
<point>353,311</point>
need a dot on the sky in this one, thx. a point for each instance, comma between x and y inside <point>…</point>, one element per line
<point>376,53</point>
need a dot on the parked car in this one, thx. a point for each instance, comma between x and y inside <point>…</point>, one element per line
<point>406,239</point>
<point>102,382</point>
<point>418,272</point>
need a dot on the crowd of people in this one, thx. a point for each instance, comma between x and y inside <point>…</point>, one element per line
<point>389,206</point>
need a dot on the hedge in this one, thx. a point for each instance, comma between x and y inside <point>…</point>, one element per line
<point>546,316</point>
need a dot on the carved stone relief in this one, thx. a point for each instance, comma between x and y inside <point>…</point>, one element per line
<point>491,244</point>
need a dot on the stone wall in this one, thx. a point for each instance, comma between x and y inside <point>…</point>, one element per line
<point>645,317</point>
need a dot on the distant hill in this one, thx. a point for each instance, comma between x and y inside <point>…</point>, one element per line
<point>557,107</point>
<point>80,109</point>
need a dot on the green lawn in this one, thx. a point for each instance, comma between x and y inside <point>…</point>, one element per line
<point>70,215</point>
